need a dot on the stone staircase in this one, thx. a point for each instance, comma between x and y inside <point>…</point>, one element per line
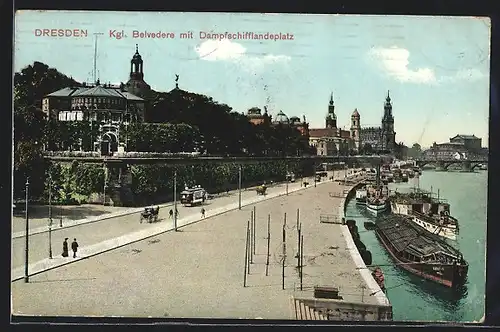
<point>301,311</point>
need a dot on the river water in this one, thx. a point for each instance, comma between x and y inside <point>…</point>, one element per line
<point>414,299</point>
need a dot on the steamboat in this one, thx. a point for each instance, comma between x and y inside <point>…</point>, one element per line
<point>421,253</point>
<point>429,213</point>
<point>377,196</point>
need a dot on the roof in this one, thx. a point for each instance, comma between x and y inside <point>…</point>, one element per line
<point>97,91</point>
<point>406,236</point>
<point>465,137</point>
<point>281,118</point>
<point>66,92</point>
<point>322,132</point>
<point>355,113</point>
<point>345,133</point>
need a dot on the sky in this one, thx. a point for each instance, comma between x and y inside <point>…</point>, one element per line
<point>436,68</point>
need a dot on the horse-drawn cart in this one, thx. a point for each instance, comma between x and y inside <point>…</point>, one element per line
<point>150,214</point>
<point>261,190</point>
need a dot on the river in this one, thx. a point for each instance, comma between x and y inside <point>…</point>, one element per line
<point>414,299</point>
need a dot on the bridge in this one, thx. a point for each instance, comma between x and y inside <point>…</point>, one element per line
<point>468,164</point>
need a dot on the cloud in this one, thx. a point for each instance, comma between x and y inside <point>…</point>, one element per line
<point>395,61</point>
<point>226,50</point>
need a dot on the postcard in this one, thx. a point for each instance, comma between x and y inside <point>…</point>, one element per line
<point>250,166</point>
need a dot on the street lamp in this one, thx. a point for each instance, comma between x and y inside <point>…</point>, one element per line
<point>26,277</point>
<point>50,216</point>
<point>175,200</point>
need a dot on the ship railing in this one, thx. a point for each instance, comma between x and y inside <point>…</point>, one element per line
<point>423,216</point>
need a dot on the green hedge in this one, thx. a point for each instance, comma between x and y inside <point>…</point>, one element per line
<point>75,182</point>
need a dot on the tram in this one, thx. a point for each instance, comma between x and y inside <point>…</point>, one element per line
<point>193,196</point>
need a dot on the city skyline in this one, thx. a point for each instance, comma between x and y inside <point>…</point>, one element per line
<point>439,83</point>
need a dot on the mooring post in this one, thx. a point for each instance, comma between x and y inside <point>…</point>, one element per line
<point>298,248</point>
<point>301,259</point>
<point>284,256</point>
<point>268,242</point>
<point>248,247</point>
<point>251,240</point>
<point>246,258</point>
<point>254,231</point>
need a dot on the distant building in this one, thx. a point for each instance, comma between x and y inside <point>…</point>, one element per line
<point>256,117</point>
<point>381,138</point>
<point>332,140</point>
<point>459,145</point>
<point>107,105</point>
<point>470,142</point>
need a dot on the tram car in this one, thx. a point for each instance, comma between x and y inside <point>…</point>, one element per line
<point>193,196</point>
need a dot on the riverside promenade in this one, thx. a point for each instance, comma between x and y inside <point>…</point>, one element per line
<point>198,271</point>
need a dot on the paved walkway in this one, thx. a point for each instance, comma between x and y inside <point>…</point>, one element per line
<point>115,234</point>
<point>198,272</point>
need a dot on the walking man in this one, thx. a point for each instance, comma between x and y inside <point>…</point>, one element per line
<point>170,213</point>
<point>65,248</point>
<point>203,212</point>
<point>176,213</point>
<point>74,246</point>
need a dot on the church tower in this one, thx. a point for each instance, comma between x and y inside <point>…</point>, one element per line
<point>331,118</point>
<point>136,84</point>
<point>356,129</point>
<point>388,133</point>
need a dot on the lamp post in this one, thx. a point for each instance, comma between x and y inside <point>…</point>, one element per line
<point>50,216</point>
<point>26,277</point>
<point>175,200</point>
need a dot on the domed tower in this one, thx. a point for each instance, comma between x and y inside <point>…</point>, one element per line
<point>356,129</point>
<point>331,118</point>
<point>388,133</point>
<point>136,84</point>
<point>281,119</point>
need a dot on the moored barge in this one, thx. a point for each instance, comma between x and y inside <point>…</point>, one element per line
<point>421,253</point>
<point>432,214</point>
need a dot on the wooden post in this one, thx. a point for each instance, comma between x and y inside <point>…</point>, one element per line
<point>268,242</point>
<point>254,231</point>
<point>284,256</point>
<point>246,259</point>
<point>248,247</point>
<point>251,239</point>
<point>301,258</point>
<point>298,248</point>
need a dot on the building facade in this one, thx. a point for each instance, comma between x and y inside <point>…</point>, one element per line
<point>333,140</point>
<point>381,138</point>
<point>256,117</point>
<point>464,145</point>
<point>107,105</point>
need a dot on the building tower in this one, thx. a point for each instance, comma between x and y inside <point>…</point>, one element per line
<point>136,84</point>
<point>331,118</point>
<point>388,133</point>
<point>356,130</point>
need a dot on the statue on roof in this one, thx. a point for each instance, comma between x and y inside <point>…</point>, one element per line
<point>176,80</point>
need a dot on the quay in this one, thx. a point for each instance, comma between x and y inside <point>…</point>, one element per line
<point>198,272</point>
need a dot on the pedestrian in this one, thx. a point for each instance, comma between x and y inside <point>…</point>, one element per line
<point>176,213</point>
<point>170,213</point>
<point>203,212</point>
<point>74,246</point>
<point>65,248</point>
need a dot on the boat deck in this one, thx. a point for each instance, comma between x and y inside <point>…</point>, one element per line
<point>403,235</point>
